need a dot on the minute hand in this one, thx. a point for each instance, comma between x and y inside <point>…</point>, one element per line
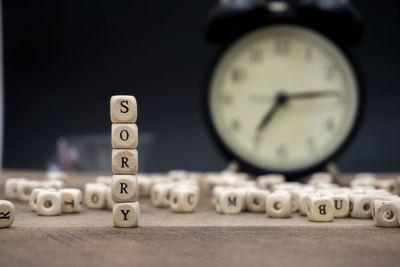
<point>313,94</point>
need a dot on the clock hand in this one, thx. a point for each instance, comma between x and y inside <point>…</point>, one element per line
<point>280,99</point>
<point>313,94</point>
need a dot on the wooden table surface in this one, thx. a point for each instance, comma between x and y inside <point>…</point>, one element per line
<point>202,238</point>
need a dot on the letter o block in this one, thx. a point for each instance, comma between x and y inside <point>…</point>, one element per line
<point>320,209</point>
<point>11,187</point>
<point>360,205</point>
<point>49,203</point>
<point>256,199</point>
<point>95,196</point>
<point>184,199</point>
<point>124,188</point>
<point>7,213</point>
<point>124,136</point>
<point>126,214</point>
<point>123,109</point>
<point>124,161</point>
<point>386,213</point>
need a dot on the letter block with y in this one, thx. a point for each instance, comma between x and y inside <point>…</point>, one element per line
<point>124,161</point>
<point>126,214</point>
<point>124,188</point>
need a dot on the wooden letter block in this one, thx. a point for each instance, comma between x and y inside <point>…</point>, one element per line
<point>24,189</point>
<point>124,161</point>
<point>109,201</point>
<point>184,199</point>
<point>144,183</point>
<point>341,204</point>
<point>230,202</point>
<point>386,213</point>
<point>106,180</point>
<point>267,182</point>
<point>72,200</point>
<point>123,109</point>
<point>126,214</point>
<point>124,188</point>
<point>49,203</point>
<point>7,213</point>
<point>360,205</point>
<point>11,186</point>
<point>34,195</point>
<point>95,195</point>
<point>160,194</point>
<point>320,209</point>
<point>278,205</point>
<point>256,199</point>
<point>124,136</point>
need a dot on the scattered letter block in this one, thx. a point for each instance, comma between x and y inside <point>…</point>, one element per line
<point>320,209</point>
<point>7,213</point>
<point>72,199</point>
<point>95,196</point>
<point>11,186</point>
<point>49,203</point>
<point>278,205</point>
<point>184,199</point>
<point>386,213</point>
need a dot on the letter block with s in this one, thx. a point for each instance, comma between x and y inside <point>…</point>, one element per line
<point>123,109</point>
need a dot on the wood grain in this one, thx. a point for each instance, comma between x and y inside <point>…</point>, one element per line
<point>202,238</point>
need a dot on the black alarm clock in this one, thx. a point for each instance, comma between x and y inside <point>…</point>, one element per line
<point>284,94</point>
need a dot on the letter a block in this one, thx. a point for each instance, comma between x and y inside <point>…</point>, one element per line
<point>123,109</point>
<point>124,188</point>
<point>124,161</point>
<point>124,136</point>
<point>126,214</point>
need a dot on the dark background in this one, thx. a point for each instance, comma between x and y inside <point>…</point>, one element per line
<point>64,59</point>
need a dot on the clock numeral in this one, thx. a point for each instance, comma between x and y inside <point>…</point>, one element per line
<point>308,53</point>
<point>281,46</point>
<point>236,125</point>
<point>225,99</point>
<point>238,75</point>
<point>330,72</point>
<point>257,141</point>
<point>256,55</point>
<point>330,124</point>
<point>311,143</point>
<point>282,152</point>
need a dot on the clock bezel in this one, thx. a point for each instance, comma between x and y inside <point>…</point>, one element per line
<point>319,166</point>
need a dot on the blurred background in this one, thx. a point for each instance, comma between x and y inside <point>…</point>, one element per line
<point>64,59</point>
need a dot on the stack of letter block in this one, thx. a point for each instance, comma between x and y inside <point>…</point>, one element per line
<point>124,139</point>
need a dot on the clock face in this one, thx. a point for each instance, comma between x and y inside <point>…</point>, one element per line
<point>283,98</point>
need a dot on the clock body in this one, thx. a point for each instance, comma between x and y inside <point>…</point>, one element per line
<point>283,98</point>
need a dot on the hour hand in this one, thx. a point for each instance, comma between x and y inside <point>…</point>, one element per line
<point>314,94</point>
